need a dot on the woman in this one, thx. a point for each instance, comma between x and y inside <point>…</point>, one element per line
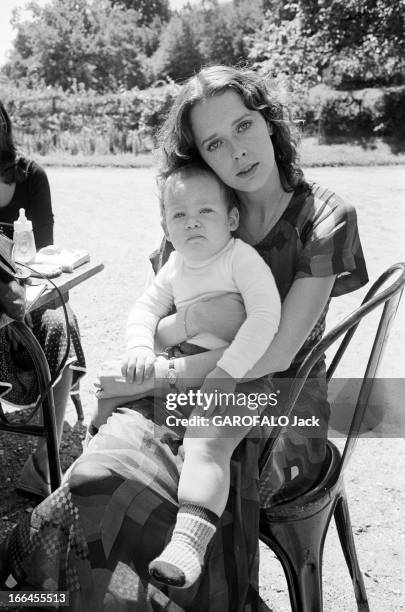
<point>116,507</point>
<point>24,184</point>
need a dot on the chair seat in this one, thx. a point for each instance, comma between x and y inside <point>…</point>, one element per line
<point>313,500</point>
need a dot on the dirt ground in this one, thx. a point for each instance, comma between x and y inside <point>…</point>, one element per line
<point>113,213</point>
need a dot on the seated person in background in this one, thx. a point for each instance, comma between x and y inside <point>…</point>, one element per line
<point>24,184</point>
<point>198,216</point>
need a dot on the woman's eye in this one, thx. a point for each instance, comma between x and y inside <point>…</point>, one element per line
<point>213,146</point>
<point>244,126</point>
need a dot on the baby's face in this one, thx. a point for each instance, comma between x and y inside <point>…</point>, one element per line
<point>197,219</point>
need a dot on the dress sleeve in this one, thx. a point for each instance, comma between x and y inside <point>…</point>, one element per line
<point>331,245</point>
<point>40,207</point>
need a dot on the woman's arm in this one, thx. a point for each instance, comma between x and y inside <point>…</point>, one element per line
<point>300,311</point>
<point>40,207</point>
<point>222,316</point>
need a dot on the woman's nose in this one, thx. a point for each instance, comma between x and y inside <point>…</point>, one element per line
<point>238,151</point>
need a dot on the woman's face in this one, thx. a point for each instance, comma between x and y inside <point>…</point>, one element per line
<point>234,141</point>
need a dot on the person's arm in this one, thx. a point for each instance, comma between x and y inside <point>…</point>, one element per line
<point>39,207</point>
<point>300,311</point>
<point>222,316</point>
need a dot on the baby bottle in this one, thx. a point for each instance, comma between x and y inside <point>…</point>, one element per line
<point>24,243</point>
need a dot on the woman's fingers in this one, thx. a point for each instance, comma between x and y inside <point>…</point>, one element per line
<point>138,364</point>
<point>131,371</point>
<point>139,370</point>
<point>149,366</point>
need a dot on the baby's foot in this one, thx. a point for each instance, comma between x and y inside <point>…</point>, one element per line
<point>180,564</point>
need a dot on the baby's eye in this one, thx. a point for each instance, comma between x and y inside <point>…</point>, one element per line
<point>178,215</point>
<point>214,145</point>
<point>206,210</point>
<point>244,126</point>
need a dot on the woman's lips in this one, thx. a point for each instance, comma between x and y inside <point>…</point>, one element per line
<point>248,170</point>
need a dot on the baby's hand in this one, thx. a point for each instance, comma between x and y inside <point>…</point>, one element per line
<point>137,364</point>
<point>220,381</point>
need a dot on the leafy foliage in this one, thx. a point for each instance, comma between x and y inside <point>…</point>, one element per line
<point>345,43</point>
<point>178,56</point>
<point>77,41</point>
<point>149,10</point>
<point>48,118</point>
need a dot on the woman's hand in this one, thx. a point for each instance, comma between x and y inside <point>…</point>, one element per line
<point>111,383</point>
<point>137,364</point>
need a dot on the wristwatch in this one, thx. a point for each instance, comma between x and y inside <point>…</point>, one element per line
<point>172,375</point>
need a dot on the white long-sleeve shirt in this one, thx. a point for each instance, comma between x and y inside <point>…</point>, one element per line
<point>237,268</point>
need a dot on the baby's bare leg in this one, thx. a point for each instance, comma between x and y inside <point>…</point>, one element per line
<point>203,493</point>
<point>205,476</point>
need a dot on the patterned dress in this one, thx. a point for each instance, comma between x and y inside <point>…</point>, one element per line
<point>118,502</point>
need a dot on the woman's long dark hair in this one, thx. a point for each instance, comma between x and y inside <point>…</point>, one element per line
<point>12,166</point>
<point>176,138</point>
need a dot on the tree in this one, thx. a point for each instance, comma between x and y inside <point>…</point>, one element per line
<point>222,29</point>
<point>366,41</point>
<point>91,42</point>
<point>148,10</point>
<point>346,43</point>
<point>178,56</point>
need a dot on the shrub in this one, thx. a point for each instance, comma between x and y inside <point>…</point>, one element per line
<point>392,125</point>
<point>83,121</point>
<point>363,114</point>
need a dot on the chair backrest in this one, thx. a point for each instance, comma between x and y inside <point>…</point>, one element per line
<point>389,298</point>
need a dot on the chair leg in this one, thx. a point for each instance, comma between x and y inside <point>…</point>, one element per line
<point>51,440</point>
<point>344,529</point>
<point>77,402</point>
<point>299,547</point>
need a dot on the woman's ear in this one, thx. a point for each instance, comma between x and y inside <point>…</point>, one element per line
<point>233,219</point>
<point>270,129</point>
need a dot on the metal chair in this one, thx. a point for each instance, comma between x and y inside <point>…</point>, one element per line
<point>296,530</point>
<point>48,428</point>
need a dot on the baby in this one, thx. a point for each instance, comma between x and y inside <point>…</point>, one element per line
<point>198,216</point>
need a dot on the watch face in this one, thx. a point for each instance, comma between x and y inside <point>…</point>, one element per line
<point>171,376</point>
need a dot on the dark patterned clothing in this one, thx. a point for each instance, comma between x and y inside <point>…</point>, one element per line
<point>18,382</point>
<point>117,506</point>
<point>48,324</point>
